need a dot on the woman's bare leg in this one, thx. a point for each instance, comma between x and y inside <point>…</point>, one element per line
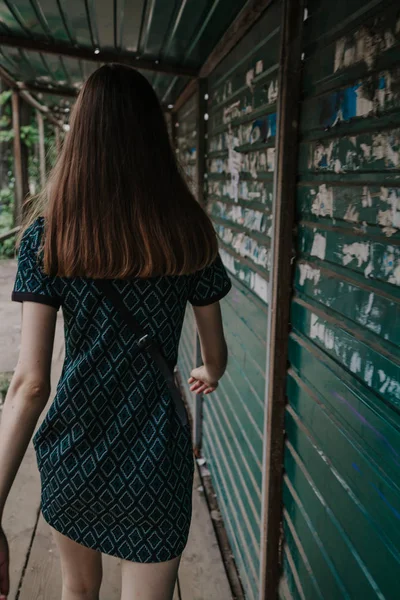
<point>149,581</point>
<point>81,569</point>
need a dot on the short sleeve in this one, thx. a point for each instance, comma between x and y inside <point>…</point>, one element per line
<point>210,284</point>
<point>31,283</point>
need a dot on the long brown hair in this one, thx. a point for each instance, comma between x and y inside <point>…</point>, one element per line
<point>117,204</point>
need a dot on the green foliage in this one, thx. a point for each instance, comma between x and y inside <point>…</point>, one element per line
<point>5,97</point>
<point>6,132</point>
<point>29,139</point>
<point>7,135</point>
<point>30,135</point>
<point>7,247</point>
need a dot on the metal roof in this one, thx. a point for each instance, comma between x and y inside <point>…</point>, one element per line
<point>54,45</point>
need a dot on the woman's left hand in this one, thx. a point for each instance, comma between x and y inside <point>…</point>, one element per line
<point>4,566</point>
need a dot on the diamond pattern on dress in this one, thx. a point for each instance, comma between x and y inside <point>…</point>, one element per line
<point>116,462</point>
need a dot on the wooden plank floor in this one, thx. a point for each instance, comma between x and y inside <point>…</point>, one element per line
<point>35,567</point>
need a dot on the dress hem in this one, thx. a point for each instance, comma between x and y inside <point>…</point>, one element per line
<point>97,549</point>
<point>33,297</point>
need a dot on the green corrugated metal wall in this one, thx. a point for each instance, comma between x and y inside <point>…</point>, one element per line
<point>241,153</point>
<point>342,453</point>
<point>186,147</point>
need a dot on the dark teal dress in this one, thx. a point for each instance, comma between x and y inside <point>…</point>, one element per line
<point>116,463</point>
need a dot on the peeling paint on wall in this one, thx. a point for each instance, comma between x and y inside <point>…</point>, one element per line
<point>370,96</point>
<point>251,219</point>
<point>368,309</point>
<point>234,165</point>
<point>375,259</point>
<point>358,251</point>
<point>352,214</point>
<point>308,272</point>
<point>345,314</point>
<point>319,246</point>
<point>355,363</point>
<point>241,159</point>
<point>323,203</point>
<point>318,331</point>
<point>248,190</point>
<point>358,152</point>
<point>245,246</point>
<point>356,357</point>
<point>273,91</point>
<point>364,46</point>
<point>231,112</point>
<point>390,218</point>
<point>375,205</point>
<point>255,282</point>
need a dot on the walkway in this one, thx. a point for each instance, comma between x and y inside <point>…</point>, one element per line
<point>35,569</point>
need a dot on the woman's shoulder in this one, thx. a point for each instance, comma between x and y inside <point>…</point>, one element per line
<point>33,233</point>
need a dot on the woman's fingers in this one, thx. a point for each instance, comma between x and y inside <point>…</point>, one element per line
<point>209,390</point>
<point>195,387</point>
<point>199,387</point>
<point>202,388</point>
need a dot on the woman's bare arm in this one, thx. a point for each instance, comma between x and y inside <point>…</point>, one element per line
<point>27,396</point>
<point>28,392</point>
<point>214,351</point>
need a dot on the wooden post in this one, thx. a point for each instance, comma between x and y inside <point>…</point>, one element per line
<point>42,149</point>
<point>280,295</point>
<point>25,121</point>
<point>4,147</point>
<point>201,148</point>
<point>18,186</point>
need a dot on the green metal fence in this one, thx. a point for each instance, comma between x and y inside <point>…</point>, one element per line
<point>240,174</point>
<point>342,479</point>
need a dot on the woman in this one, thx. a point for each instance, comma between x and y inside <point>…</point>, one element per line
<point>115,457</point>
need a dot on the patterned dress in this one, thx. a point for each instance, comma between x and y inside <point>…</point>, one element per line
<point>115,461</point>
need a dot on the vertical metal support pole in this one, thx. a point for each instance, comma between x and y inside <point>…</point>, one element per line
<point>201,145</point>
<point>18,188</point>
<point>42,151</point>
<point>280,294</point>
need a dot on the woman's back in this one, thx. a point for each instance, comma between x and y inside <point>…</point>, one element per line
<point>112,436</point>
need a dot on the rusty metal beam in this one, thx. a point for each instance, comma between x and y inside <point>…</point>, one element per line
<point>26,96</point>
<point>66,92</point>
<point>290,69</point>
<point>247,17</point>
<point>96,55</point>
